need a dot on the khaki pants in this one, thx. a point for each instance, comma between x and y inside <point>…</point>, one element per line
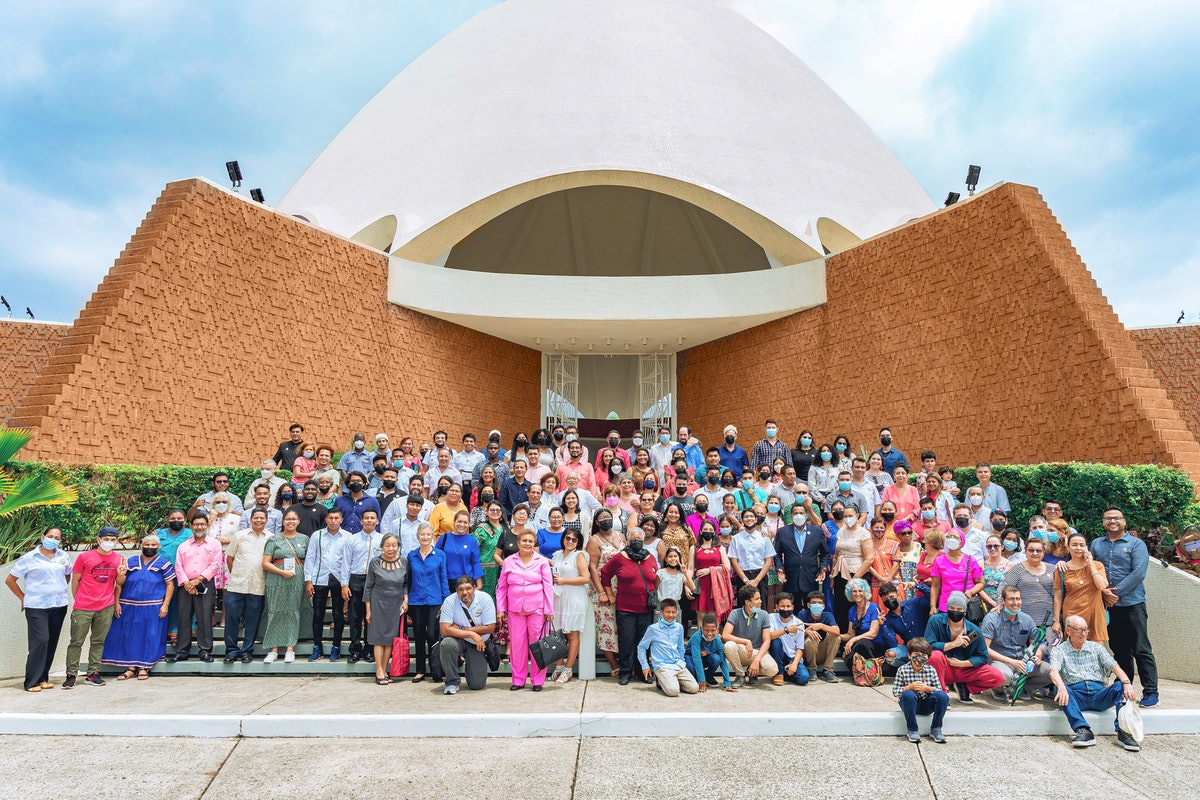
<point>672,679</point>
<point>83,624</point>
<point>739,660</point>
<point>821,653</point>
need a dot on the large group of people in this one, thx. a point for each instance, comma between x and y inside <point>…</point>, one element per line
<point>700,567</point>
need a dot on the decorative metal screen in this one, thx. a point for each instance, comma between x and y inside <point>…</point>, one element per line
<point>560,376</point>
<point>656,386</point>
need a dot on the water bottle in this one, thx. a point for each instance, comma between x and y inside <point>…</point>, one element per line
<point>1029,667</point>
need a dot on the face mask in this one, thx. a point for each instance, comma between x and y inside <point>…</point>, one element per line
<point>785,614</point>
<point>712,478</point>
<point>806,441</point>
<point>389,484</point>
<point>730,439</point>
<point>888,516</point>
<point>891,604</point>
<point>610,501</point>
<point>963,522</point>
<point>726,531</point>
<point>649,484</point>
<point>885,440</point>
<point>558,437</point>
<point>840,447</point>
<point>764,475</point>
<point>637,441</point>
<point>1010,546</point>
<point>918,664</point>
<point>605,525</point>
<point>266,473</point>
<point>927,513</point>
<point>956,615</point>
<point>773,508</point>
<point>844,485</point>
<point>816,609</point>
<point>999,525</point>
<point>176,525</point>
<point>706,536</point>
<point>613,441</point>
<point>976,500</point>
<point>851,521</point>
<point>826,455</point>
<point>149,552</point>
<point>108,545</point>
<point>308,453</point>
<point>359,444</point>
<point>702,508</point>
<point>616,468</point>
<point>838,514</point>
<point>487,498</point>
<point>664,438</point>
<point>635,545</point>
<point>747,483</point>
<point>953,543</point>
<point>571,437</point>
<point>759,519</point>
<point>287,498</point>
<point>771,433</point>
<point>1038,533</point>
<point>49,544</point>
<point>221,508</point>
<point>1053,536</point>
<point>681,490</point>
<point>355,486</point>
<point>727,483</point>
<point>1012,612</point>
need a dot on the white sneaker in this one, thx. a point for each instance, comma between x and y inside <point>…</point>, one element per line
<point>451,688</point>
<point>270,657</point>
<point>289,657</point>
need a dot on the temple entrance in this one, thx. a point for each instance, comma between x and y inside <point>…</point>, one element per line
<point>601,393</point>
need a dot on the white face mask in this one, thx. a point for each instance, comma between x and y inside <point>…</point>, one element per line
<point>221,508</point>
<point>359,444</point>
<point>108,545</point>
<point>976,500</point>
<point>851,521</point>
<point>953,543</point>
<point>266,473</point>
<point>637,441</point>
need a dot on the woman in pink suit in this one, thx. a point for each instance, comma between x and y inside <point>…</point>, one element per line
<point>525,594</point>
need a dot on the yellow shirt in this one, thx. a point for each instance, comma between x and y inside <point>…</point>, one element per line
<point>442,518</point>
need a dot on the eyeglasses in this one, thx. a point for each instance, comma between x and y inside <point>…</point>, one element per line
<point>1113,519</point>
<point>222,480</point>
<point>1077,629</point>
<point>1034,551</point>
<point>992,546</point>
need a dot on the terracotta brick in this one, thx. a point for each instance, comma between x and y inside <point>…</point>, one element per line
<point>26,347</point>
<point>1173,353</point>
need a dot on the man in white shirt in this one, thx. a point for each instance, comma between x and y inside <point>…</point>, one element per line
<point>267,478</point>
<point>466,460</point>
<point>441,468</point>
<point>660,453</point>
<point>787,642</point>
<point>439,444</point>
<point>868,489</point>
<point>325,579</point>
<point>246,586</point>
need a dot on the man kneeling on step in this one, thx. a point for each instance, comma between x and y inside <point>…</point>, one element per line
<point>466,622</point>
<point>664,641</point>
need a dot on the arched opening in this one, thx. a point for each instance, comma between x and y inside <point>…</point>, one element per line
<point>834,236</point>
<point>379,234</point>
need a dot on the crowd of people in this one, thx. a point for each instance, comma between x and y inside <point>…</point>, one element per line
<point>700,567</point>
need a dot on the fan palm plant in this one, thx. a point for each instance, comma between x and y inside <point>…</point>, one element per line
<point>19,496</point>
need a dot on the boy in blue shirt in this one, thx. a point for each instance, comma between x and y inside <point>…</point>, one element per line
<point>823,637</point>
<point>664,641</point>
<point>706,654</point>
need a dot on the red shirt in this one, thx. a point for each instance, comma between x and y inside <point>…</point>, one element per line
<point>97,581</point>
<point>631,592</point>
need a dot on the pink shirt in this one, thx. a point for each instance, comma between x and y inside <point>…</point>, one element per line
<point>587,478</point>
<point>955,577</point>
<point>97,573</point>
<point>525,588</point>
<point>197,559</point>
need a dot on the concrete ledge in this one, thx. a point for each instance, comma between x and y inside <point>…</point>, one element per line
<point>572,725</point>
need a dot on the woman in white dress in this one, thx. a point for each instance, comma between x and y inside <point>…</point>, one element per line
<point>569,567</point>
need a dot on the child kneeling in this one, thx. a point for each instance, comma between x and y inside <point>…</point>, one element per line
<point>920,691</point>
<point>664,641</point>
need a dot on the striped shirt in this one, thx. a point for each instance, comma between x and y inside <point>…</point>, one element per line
<point>1089,663</point>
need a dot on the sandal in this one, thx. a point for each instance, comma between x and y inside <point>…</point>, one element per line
<point>420,676</point>
<point>563,677</point>
<point>143,674</point>
<point>127,674</point>
<point>382,681</point>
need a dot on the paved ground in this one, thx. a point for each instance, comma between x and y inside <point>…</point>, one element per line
<point>594,769</point>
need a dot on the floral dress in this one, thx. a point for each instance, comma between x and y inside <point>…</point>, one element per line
<point>992,578</point>
<point>606,615</point>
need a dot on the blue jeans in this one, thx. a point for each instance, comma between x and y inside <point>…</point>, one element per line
<point>901,655</point>
<point>801,676</point>
<point>241,610</point>
<point>712,665</point>
<point>1092,696</point>
<point>913,706</point>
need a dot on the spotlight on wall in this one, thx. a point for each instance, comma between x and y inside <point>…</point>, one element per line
<point>4,300</point>
<point>952,198</point>
<point>30,313</point>
<point>256,195</point>
<point>235,174</point>
<point>972,178</point>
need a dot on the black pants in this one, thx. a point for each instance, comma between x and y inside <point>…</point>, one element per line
<point>841,603</point>
<point>1129,638</point>
<point>425,634</point>
<point>199,605</point>
<point>630,629</point>
<point>868,648</point>
<point>358,613</point>
<point>320,595</point>
<point>44,626</point>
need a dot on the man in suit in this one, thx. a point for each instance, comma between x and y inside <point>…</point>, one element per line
<point>802,556</point>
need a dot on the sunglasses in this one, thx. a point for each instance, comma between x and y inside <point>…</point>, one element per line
<point>993,547</point>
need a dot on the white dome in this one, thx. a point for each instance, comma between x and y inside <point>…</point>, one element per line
<point>618,91</point>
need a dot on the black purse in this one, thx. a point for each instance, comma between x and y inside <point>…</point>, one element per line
<point>549,649</point>
<point>651,597</point>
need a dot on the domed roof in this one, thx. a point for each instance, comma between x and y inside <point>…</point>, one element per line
<point>613,91</point>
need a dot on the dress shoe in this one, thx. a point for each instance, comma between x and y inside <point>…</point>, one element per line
<point>369,658</point>
<point>230,657</point>
<point>354,658</point>
<point>516,688</point>
<point>247,658</point>
<point>177,657</point>
<point>537,688</point>
<point>206,658</point>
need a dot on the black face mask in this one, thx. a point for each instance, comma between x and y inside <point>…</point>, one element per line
<point>885,440</point>
<point>760,519</point>
<point>558,437</point>
<point>379,468</point>
<point>730,439</point>
<point>712,479</point>
<point>635,545</point>
<point>888,516</point>
<point>613,442</point>
<point>838,514</point>
<point>176,525</point>
<point>604,524</point>
<point>706,536</point>
<point>355,487</point>
<point>999,524</point>
<point>762,476</point>
<point>727,482</point>
<point>701,509</point>
<point>955,616</point>
<point>487,498</point>
<point>522,442</point>
<point>681,490</point>
<point>149,552</point>
<point>891,604</point>
<point>784,614</point>
<point>541,439</point>
<point>963,522</point>
<point>389,484</point>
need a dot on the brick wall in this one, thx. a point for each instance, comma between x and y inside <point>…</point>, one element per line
<point>976,331</point>
<point>222,321</point>
<point>1174,355</point>
<point>25,348</point>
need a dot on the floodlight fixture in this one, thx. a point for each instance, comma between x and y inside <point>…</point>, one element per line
<point>256,195</point>
<point>4,300</point>
<point>30,313</point>
<point>972,178</point>
<point>235,173</point>
<point>952,198</point>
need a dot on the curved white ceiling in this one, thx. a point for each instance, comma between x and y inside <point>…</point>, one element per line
<point>685,89</point>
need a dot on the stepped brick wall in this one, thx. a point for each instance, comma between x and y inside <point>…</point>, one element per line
<point>25,348</point>
<point>976,331</point>
<point>223,321</point>
<point>1174,355</point>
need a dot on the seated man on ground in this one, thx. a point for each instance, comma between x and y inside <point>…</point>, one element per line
<point>918,689</point>
<point>959,655</point>
<point>1079,669</point>
<point>822,637</point>
<point>746,645</point>
<point>787,642</point>
<point>1008,632</point>
<point>664,641</point>
<point>706,654</point>
<point>467,621</point>
<point>902,622</point>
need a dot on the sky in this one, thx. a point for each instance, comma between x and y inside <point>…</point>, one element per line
<point>103,103</point>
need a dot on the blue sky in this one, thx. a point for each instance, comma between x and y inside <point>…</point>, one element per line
<point>101,104</point>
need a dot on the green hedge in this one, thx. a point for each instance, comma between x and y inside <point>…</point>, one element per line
<point>132,499</point>
<point>1151,496</point>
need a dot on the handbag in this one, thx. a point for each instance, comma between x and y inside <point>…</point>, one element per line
<point>975,607</point>
<point>549,649</point>
<point>491,650</point>
<point>651,597</point>
<point>398,667</point>
<point>866,671</point>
